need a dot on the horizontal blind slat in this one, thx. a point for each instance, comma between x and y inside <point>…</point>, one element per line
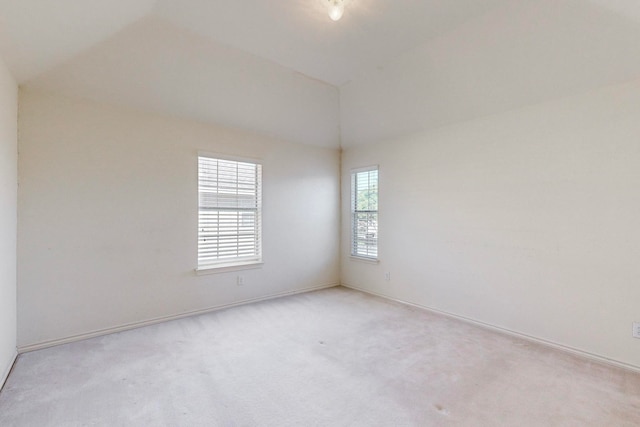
<point>230,199</point>
<point>364,209</point>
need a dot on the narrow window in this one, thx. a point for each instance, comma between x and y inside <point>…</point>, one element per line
<point>364,212</point>
<point>229,212</point>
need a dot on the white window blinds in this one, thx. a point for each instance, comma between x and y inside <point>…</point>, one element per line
<point>229,214</point>
<point>364,212</point>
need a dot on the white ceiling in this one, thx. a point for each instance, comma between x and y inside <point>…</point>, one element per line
<point>154,65</point>
<point>525,53</point>
<point>297,34</point>
<point>36,35</point>
<point>280,67</point>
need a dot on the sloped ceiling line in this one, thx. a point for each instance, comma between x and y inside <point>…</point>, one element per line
<point>276,70</point>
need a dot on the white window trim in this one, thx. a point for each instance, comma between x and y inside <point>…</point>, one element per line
<point>231,157</point>
<point>353,257</point>
<point>363,259</point>
<point>237,263</point>
<point>225,268</point>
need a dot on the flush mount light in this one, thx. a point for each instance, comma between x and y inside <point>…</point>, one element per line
<point>336,9</point>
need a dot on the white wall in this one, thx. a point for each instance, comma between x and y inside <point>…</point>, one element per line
<point>526,220</point>
<point>8,217</point>
<point>108,217</point>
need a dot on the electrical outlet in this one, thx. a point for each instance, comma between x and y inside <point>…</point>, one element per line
<point>387,276</point>
<point>240,280</point>
<point>636,330</point>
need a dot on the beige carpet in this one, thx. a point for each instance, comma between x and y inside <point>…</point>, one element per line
<point>329,358</point>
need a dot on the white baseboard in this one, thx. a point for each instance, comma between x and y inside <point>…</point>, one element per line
<point>7,371</point>
<point>135,325</point>
<point>577,352</point>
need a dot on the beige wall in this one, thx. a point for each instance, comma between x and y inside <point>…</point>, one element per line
<point>8,217</point>
<point>527,220</point>
<point>108,217</point>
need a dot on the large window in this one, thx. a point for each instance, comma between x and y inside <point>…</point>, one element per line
<point>364,212</point>
<point>229,214</point>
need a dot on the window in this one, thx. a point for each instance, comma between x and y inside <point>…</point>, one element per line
<point>364,212</point>
<point>229,212</point>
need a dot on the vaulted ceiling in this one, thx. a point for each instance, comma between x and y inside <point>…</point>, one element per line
<point>285,69</point>
<point>294,34</point>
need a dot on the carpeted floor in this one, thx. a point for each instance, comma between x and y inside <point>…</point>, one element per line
<point>334,357</point>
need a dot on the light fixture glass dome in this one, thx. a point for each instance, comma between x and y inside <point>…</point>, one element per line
<point>336,9</point>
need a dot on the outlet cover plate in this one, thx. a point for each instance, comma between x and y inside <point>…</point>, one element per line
<point>636,329</point>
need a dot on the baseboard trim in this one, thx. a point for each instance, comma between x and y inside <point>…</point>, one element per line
<point>5,375</point>
<point>576,352</point>
<point>149,322</point>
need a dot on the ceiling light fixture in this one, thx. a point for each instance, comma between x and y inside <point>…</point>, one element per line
<point>336,9</point>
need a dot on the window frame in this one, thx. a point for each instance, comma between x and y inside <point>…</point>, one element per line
<point>353,238</point>
<point>232,263</point>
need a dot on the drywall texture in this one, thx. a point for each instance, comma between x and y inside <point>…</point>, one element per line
<point>108,217</point>
<point>8,217</point>
<point>527,220</point>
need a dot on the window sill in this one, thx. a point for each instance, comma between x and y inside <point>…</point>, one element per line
<point>365,260</point>
<point>224,268</point>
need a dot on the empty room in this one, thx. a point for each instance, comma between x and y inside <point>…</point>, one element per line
<point>319,213</point>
